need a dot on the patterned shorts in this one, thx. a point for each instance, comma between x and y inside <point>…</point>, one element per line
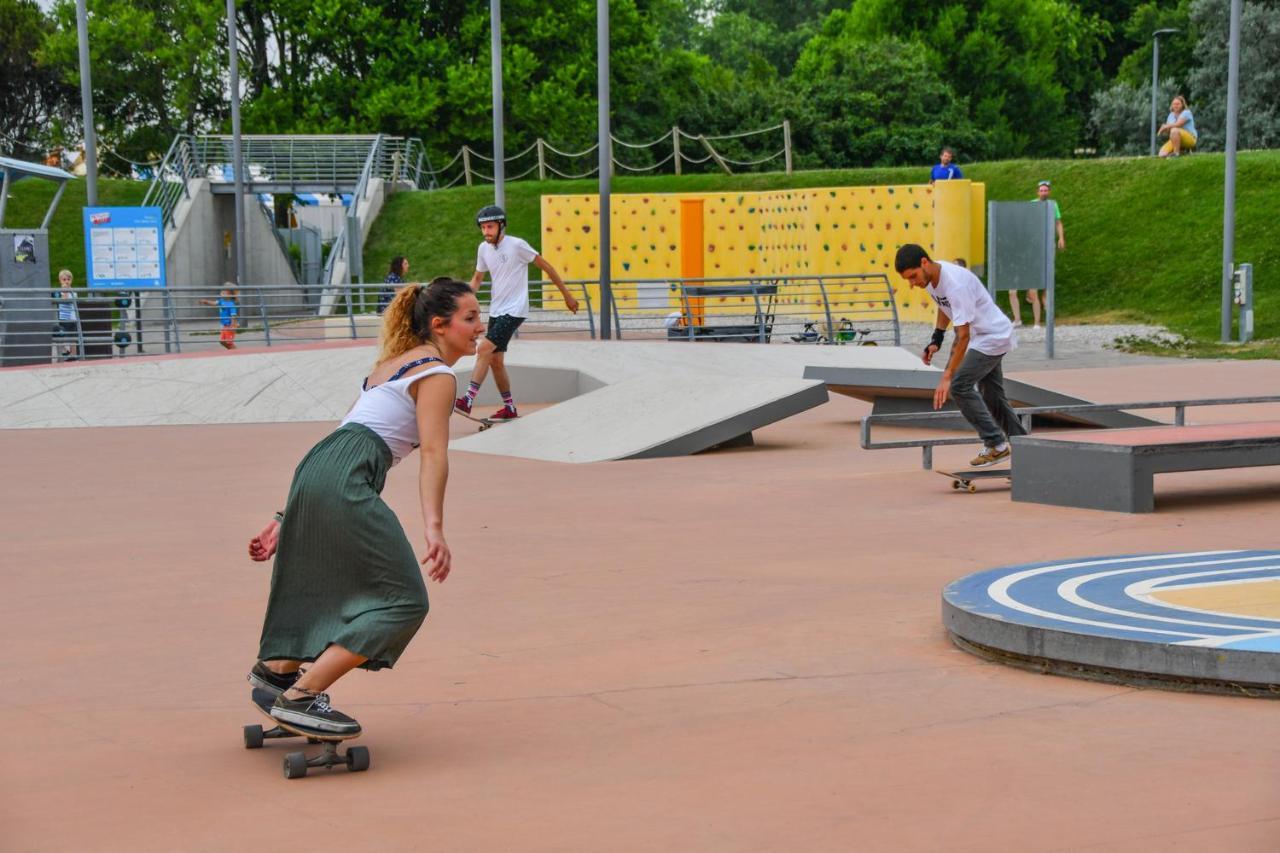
<point>500,330</point>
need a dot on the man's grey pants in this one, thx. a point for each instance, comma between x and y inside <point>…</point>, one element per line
<point>978,389</point>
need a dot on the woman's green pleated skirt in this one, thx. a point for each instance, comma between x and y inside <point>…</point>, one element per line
<point>344,571</point>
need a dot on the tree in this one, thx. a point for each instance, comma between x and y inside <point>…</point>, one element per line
<point>1026,67</point>
<point>1259,116</point>
<point>156,68</point>
<point>33,94</point>
<point>875,103</point>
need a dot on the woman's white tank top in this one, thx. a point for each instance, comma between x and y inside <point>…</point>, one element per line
<point>389,411</point>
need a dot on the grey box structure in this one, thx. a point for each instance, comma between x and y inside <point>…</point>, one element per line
<point>1119,476</point>
<point>27,312</point>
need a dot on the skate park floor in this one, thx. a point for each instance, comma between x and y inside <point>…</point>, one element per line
<point>740,650</point>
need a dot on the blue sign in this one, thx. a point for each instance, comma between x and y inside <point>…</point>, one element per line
<point>124,247</point>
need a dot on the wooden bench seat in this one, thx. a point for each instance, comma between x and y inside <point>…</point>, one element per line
<point>1114,469</point>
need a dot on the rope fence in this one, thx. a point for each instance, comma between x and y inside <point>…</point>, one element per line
<point>681,149</point>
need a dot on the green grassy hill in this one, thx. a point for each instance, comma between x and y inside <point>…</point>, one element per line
<point>30,199</point>
<point>1144,236</point>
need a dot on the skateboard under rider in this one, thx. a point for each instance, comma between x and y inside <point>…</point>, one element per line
<point>356,758</point>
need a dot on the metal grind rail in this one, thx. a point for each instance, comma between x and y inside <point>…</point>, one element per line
<point>1026,414</point>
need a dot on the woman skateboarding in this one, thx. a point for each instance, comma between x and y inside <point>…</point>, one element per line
<point>346,590</point>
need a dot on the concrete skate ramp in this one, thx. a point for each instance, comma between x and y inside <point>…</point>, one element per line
<point>319,383</point>
<point>898,391</point>
<point>649,416</point>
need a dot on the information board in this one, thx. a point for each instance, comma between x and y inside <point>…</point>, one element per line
<point>124,247</point>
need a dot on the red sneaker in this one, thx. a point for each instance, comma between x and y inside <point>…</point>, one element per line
<point>463,404</point>
<point>506,413</point>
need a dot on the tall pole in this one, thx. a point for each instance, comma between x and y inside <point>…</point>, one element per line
<point>1229,194</point>
<point>236,155</point>
<point>499,164</point>
<point>1155,70</point>
<point>606,166</point>
<point>1155,79</point>
<point>86,108</point>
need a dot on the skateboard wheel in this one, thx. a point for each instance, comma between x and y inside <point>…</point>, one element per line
<point>295,765</point>
<point>253,737</point>
<point>955,484</point>
<point>972,488</point>
<point>358,758</point>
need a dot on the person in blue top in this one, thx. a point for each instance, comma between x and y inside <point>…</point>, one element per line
<point>228,315</point>
<point>399,269</point>
<point>945,170</point>
<point>1180,127</point>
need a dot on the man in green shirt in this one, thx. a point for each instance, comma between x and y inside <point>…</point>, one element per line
<point>1033,296</point>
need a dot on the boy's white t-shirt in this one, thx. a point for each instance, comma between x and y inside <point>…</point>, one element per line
<point>963,298</point>
<point>508,267</point>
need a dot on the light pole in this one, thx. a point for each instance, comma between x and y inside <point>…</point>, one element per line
<point>237,154</point>
<point>1229,189</point>
<point>606,166</point>
<point>1155,71</point>
<point>86,107</point>
<point>499,164</point>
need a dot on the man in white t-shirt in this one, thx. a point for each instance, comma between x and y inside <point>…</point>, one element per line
<point>506,258</point>
<point>973,376</point>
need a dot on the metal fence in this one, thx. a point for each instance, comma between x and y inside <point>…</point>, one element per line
<point>857,310</point>
<point>1025,416</point>
<point>295,164</point>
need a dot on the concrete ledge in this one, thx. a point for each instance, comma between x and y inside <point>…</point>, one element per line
<point>1152,619</point>
<point>898,391</point>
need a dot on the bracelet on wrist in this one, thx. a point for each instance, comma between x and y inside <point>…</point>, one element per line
<point>279,516</point>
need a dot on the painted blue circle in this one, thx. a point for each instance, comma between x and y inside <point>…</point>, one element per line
<point>1118,597</point>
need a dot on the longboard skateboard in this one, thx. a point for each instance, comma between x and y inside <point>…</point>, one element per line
<point>967,479</point>
<point>485,423</point>
<point>356,758</point>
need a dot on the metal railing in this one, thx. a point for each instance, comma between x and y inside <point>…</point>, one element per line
<point>170,183</point>
<point>1025,415</point>
<point>856,310</point>
<point>180,319</point>
<point>296,164</point>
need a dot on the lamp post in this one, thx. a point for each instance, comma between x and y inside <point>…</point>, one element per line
<point>237,154</point>
<point>606,166</point>
<point>1229,189</point>
<point>495,47</point>
<point>1155,71</point>
<point>86,107</point>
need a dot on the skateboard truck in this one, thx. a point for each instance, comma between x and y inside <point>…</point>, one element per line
<point>296,764</point>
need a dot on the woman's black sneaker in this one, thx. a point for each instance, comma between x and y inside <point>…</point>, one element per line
<point>273,682</point>
<point>314,712</point>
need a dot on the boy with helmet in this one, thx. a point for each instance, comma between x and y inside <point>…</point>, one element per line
<point>506,258</point>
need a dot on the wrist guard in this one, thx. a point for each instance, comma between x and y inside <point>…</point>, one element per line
<point>939,335</point>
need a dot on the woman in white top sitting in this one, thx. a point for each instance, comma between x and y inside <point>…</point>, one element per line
<point>346,590</point>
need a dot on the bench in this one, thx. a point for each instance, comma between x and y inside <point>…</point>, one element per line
<point>1114,469</point>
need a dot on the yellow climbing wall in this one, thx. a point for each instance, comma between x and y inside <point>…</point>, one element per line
<point>802,232</point>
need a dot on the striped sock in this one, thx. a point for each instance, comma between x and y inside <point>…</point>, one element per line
<point>472,391</point>
<point>508,401</point>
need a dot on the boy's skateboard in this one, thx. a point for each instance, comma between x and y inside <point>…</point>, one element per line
<point>967,478</point>
<point>485,423</point>
<point>296,763</point>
